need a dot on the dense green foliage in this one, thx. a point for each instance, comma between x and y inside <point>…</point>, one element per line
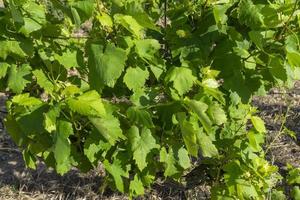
<point>148,87</point>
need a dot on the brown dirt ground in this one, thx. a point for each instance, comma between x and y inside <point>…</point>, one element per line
<point>19,183</point>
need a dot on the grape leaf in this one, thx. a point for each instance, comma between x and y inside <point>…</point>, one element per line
<point>294,58</point>
<point>141,145</point>
<point>109,127</point>
<point>169,159</point>
<point>16,80</point>
<point>68,59</point>
<point>105,67</point>
<point>183,158</point>
<point>29,159</point>
<point>43,81</point>
<point>139,116</point>
<point>182,79</point>
<point>3,69</point>
<point>135,78</point>
<point>255,140</point>
<point>207,147</point>
<point>25,100</point>
<point>15,131</point>
<point>258,124</point>
<point>294,176</point>
<point>15,13</point>
<point>50,118</point>
<point>147,49</point>
<point>200,109</point>
<point>188,134</point>
<point>30,26</point>
<point>218,114</point>
<point>249,14</point>
<point>36,11</point>
<point>129,23</point>
<point>11,48</point>
<point>116,170</point>
<point>277,69</point>
<point>61,147</point>
<point>95,144</point>
<point>296,193</point>
<point>88,104</point>
<point>136,186</point>
<point>84,8</point>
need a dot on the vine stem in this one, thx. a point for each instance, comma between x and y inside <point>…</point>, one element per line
<point>165,14</point>
<point>289,19</point>
<point>159,105</point>
<point>280,132</point>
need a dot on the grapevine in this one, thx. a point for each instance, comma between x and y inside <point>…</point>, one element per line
<point>148,88</point>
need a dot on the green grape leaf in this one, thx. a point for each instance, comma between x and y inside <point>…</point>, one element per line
<point>296,193</point>
<point>258,124</point>
<point>277,69</point>
<point>105,20</point>
<point>291,43</point>
<point>117,172</point>
<point>207,147</point>
<point>182,78</point>
<point>249,14</point>
<point>76,17</point>
<point>15,131</point>
<point>50,118</point>
<point>29,159</point>
<point>71,90</point>
<point>257,38</point>
<point>183,158</point>
<point>31,122</point>
<point>220,16</point>
<point>36,11</point>
<point>129,23</point>
<point>87,104</point>
<point>270,17</point>
<point>294,58</point>
<point>68,59</point>
<point>105,67</point>
<point>26,100</point>
<point>255,140</point>
<point>278,195</point>
<point>141,117</point>
<point>135,78</point>
<point>246,190</point>
<point>43,81</point>
<point>94,145</point>
<point>136,186</point>
<point>169,159</point>
<point>189,135</point>
<point>84,8</point>
<point>141,145</point>
<point>3,69</point>
<point>293,176</point>
<point>200,109</point>
<point>62,147</point>
<point>157,70</point>
<point>15,12</point>
<point>147,49</point>
<point>109,127</point>
<point>137,11</point>
<point>30,26</point>
<point>218,114</point>
<point>12,48</point>
<point>16,80</point>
